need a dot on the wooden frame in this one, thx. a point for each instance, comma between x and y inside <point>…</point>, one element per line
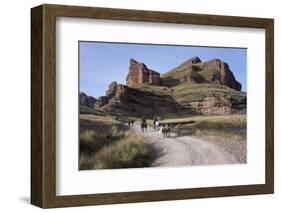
<point>43,106</point>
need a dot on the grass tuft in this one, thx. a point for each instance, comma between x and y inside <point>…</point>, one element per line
<point>129,152</point>
<point>119,149</point>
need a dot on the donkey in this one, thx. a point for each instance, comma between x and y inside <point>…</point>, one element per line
<point>166,131</point>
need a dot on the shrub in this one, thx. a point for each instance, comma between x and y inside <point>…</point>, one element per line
<point>117,149</point>
<point>130,152</point>
<point>90,141</point>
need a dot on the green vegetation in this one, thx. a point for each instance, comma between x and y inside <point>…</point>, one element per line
<point>187,92</point>
<point>174,76</point>
<point>197,92</point>
<point>157,90</point>
<point>209,74</point>
<point>105,119</point>
<point>179,71</point>
<point>218,134</point>
<point>117,149</point>
<point>90,141</point>
<point>130,152</point>
<point>213,121</point>
<point>89,110</point>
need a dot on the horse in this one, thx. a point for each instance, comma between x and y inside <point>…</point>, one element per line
<point>177,129</point>
<point>143,127</point>
<point>166,131</point>
<point>156,126</point>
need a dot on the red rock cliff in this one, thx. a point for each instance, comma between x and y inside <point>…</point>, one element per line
<point>225,76</point>
<point>139,74</point>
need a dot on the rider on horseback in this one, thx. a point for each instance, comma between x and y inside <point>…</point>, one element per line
<point>143,124</point>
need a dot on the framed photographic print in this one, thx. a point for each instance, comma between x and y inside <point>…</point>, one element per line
<point>137,106</point>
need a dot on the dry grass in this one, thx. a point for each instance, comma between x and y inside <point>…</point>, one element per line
<point>91,141</point>
<point>195,92</point>
<point>119,149</point>
<point>105,119</point>
<point>129,152</point>
<point>220,134</point>
<point>158,90</point>
<point>214,121</point>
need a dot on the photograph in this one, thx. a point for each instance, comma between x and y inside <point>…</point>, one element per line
<point>169,105</point>
<point>151,105</point>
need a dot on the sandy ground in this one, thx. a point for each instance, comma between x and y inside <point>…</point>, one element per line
<point>184,150</point>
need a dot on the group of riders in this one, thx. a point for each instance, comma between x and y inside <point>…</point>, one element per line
<point>144,123</point>
<point>166,130</point>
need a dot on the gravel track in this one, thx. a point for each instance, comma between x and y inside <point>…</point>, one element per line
<point>184,150</point>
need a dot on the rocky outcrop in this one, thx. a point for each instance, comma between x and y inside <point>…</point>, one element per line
<point>113,93</point>
<point>194,60</point>
<point>133,101</point>
<point>102,100</point>
<point>140,74</point>
<point>224,75</point>
<point>215,105</point>
<point>209,105</point>
<point>191,97</point>
<point>195,71</point>
<point>86,100</point>
<point>111,89</point>
<point>138,102</point>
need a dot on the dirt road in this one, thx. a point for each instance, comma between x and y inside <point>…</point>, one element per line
<point>184,150</point>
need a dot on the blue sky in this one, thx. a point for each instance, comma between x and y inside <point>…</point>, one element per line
<point>101,63</point>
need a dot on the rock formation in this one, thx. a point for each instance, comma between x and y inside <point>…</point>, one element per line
<point>139,74</point>
<point>194,60</point>
<point>205,88</point>
<point>85,100</point>
<point>224,75</point>
<point>194,70</point>
<point>214,105</point>
<point>113,94</point>
<point>102,100</point>
<point>111,89</point>
<point>136,102</point>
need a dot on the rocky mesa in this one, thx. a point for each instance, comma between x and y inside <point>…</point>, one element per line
<point>193,87</point>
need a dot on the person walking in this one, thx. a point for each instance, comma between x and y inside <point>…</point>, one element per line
<point>143,124</point>
<point>154,122</point>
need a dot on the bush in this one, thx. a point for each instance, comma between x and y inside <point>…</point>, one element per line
<point>129,152</point>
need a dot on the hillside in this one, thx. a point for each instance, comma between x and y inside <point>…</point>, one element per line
<point>204,98</point>
<point>194,87</point>
<point>194,70</point>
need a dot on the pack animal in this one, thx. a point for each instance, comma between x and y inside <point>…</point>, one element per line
<point>166,131</point>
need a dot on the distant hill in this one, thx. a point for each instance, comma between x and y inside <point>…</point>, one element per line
<point>194,87</point>
<point>86,100</point>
